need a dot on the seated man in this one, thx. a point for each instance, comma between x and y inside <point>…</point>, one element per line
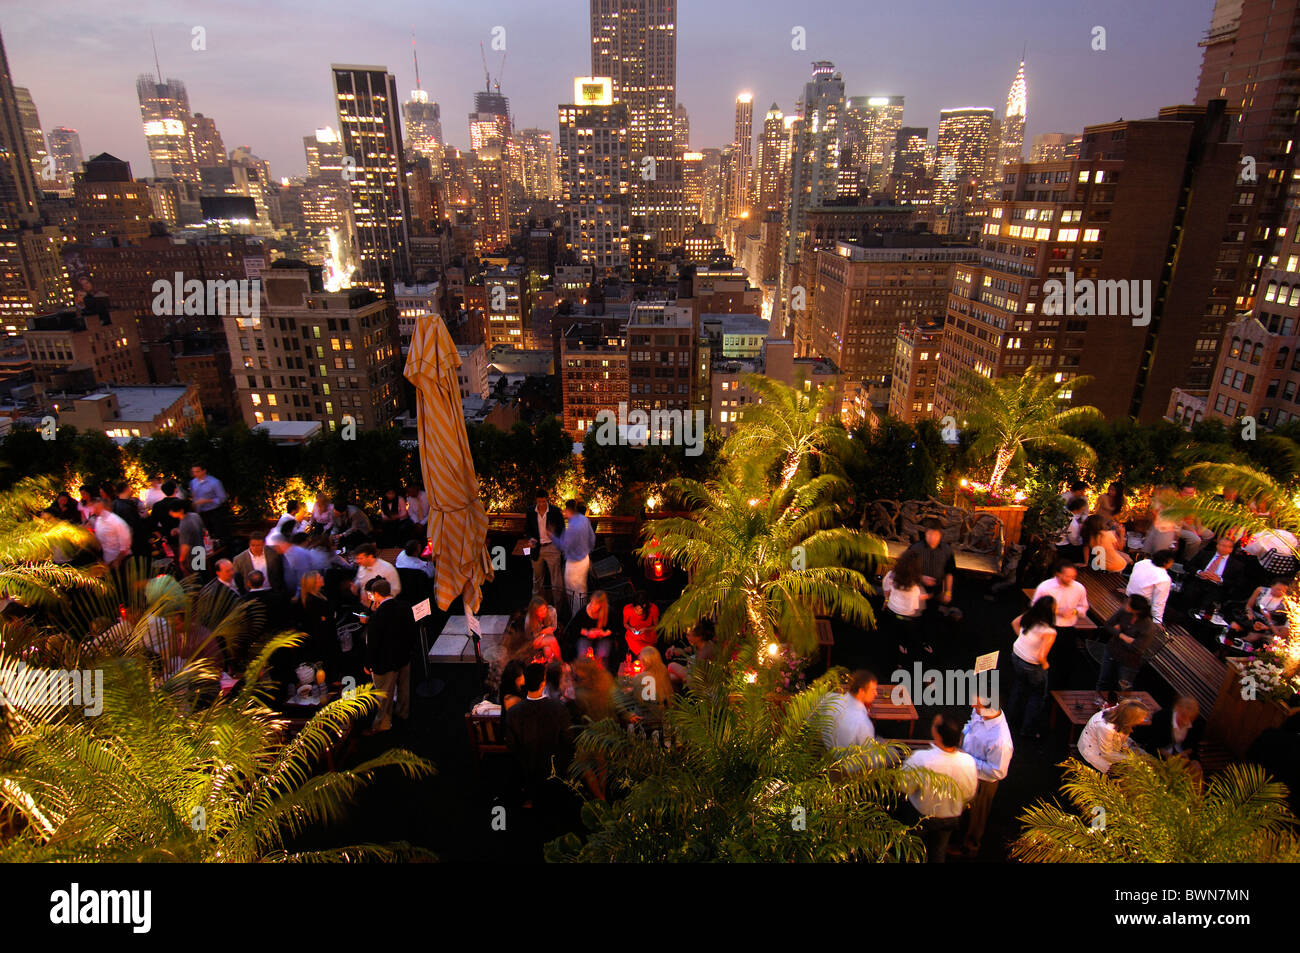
<point>1174,730</point>
<point>371,566</point>
<point>1219,576</point>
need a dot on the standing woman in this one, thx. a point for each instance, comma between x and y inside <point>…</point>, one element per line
<point>1035,636</point>
<point>905,603</point>
<point>311,613</point>
<point>640,616</point>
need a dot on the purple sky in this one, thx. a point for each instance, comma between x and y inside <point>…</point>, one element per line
<point>265,78</point>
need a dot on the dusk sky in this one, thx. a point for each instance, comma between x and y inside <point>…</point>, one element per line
<point>264,76</point>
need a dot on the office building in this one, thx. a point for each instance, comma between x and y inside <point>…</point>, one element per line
<point>1012,147</point>
<point>595,174</point>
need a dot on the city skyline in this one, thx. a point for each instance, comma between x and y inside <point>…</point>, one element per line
<point>266,99</point>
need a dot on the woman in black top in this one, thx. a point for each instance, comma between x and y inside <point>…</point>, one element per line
<point>65,509</point>
<point>1132,631</point>
<point>392,513</point>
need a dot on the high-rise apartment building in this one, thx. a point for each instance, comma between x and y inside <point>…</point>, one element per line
<point>1012,147</point>
<point>593,374</point>
<point>316,355</point>
<point>205,142</point>
<point>661,342</point>
<point>366,101</point>
<point>107,343</point>
<point>595,173</point>
<point>865,294</point>
<point>1124,265</point>
<point>916,372</point>
<point>682,129</point>
<point>112,207</point>
<point>490,175</point>
<point>634,42</point>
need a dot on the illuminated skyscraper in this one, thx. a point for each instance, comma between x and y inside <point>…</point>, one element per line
<point>423,121</point>
<point>815,151</point>
<point>31,122</point>
<point>634,42</point>
<point>871,126</point>
<point>19,190</point>
<point>1013,124</point>
<point>742,150</point>
<point>770,167</point>
<point>682,129</point>
<point>366,100</point>
<point>205,142</point>
<point>540,173</point>
<point>594,173</point>
<point>65,146</point>
<point>967,149</point>
<point>165,113</point>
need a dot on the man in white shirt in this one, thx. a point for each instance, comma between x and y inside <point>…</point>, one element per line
<point>112,531</point>
<point>410,558</point>
<point>845,717</point>
<point>1071,606</point>
<point>987,739</point>
<point>370,565</point>
<point>417,508</point>
<point>1150,578</point>
<point>940,811</point>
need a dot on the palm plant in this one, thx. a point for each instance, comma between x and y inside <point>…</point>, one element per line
<point>1273,503</point>
<point>741,778</point>
<point>763,563</point>
<point>786,426</point>
<point>1010,413</point>
<point>1150,810</point>
<point>172,771</point>
<point>29,543</point>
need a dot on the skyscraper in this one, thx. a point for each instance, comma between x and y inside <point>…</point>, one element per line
<point>967,150</point>
<point>742,154</point>
<point>165,114</point>
<point>771,165</point>
<point>540,173</point>
<point>19,190</point>
<point>682,129</point>
<point>65,146</point>
<point>1012,149</point>
<point>31,123</point>
<point>815,151</point>
<point>634,42</point>
<point>366,100</point>
<point>423,121</point>
<point>872,123</point>
<point>205,142</point>
<point>594,173</point>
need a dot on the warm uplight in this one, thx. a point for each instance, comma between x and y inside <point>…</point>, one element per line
<point>773,649</point>
<point>751,677</point>
<point>965,482</point>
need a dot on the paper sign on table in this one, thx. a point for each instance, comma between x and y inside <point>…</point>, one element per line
<point>984,663</point>
<point>421,609</point>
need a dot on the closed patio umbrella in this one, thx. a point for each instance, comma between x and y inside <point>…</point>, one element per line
<point>457,521</point>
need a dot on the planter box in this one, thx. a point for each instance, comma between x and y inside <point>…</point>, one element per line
<point>1236,723</point>
<point>1012,517</point>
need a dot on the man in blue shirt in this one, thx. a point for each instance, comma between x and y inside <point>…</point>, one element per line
<point>297,563</point>
<point>576,542</point>
<point>209,499</point>
<point>987,739</point>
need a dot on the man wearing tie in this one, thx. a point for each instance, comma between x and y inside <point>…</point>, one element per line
<point>1219,576</point>
<point>544,526</point>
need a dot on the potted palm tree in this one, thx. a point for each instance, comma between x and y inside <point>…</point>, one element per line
<point>1011,413</point>
<point>1150,810</point>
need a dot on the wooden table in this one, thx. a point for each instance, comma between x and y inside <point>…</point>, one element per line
<point>1083,622</point>
<point>1080,706</point>
<point>884,708</point>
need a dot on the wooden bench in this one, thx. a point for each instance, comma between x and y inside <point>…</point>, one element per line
<point>1187,666</point>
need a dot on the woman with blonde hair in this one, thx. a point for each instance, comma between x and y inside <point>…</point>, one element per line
<point>1097,534</point>
<point>1105,738</point>
<point>594,632</point>
<point>539,628</point>
<point>654,672</point>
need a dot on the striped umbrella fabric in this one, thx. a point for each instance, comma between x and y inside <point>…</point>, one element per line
<point>457,521</point>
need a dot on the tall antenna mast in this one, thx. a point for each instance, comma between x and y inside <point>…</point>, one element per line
<point>154,41</point>
<point>416,57</point>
